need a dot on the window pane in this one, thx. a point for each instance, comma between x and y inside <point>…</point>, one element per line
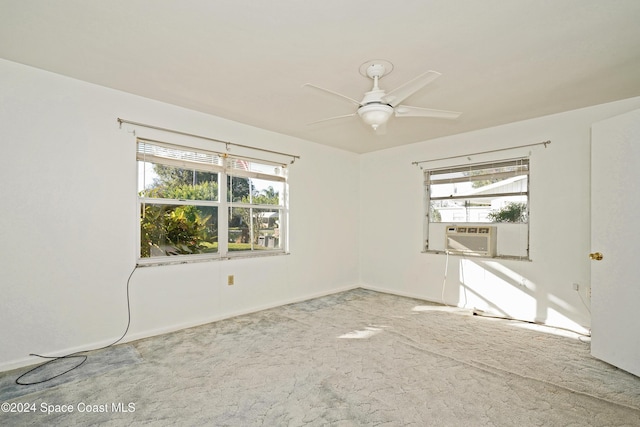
<point>460,210</point>
<point>267,235</point>
<point>254,229</point>
<point>167,230</point>
<point>169,182</point>
<point>239,229</point>
<point>238,189</point>
<point>255,191</point>
<point>510,209</point>
<point>495,209</point>
<point>265,192</point>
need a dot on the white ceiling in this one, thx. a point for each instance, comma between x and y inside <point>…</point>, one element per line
<point>245,60</point>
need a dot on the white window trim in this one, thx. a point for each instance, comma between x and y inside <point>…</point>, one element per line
<point>224,171</point>
<point>459,167</point>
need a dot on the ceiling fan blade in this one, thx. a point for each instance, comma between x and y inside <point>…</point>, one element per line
<point>408,111</point>
<point>333,93</point>
<point>332,118</point>
<point>401,93</point>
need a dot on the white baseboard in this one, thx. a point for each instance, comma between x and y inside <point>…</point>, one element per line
<point>400,294</point>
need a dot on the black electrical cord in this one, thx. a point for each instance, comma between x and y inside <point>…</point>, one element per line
<point>78,353</point>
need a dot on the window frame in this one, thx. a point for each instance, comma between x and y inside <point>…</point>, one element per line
<point>523,167</point>
<point>225,165</point>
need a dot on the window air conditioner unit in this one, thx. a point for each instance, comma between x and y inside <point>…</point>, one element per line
<point>477,240</point>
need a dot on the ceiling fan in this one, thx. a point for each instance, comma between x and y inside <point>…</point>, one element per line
<point>377,106</point>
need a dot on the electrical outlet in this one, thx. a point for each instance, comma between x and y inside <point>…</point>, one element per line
<point>576,287</point>
<point>230,279</point>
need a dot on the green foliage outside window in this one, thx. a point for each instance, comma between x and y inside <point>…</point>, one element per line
<point>512,212</point>
<point>180,229</point>
<point>183,229</point>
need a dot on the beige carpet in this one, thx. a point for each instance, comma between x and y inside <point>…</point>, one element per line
<point>357,358</point>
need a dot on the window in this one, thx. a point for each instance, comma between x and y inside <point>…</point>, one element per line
<point>196,204</point>
<point>495,193</point>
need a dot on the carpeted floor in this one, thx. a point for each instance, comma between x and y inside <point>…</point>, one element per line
<point>357,358</point>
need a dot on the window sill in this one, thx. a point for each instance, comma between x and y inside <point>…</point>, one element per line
<point>155,262</point>
<point>478,256</point>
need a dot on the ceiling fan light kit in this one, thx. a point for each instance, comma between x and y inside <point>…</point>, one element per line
<point>377,106</point>
<point>375,114</point>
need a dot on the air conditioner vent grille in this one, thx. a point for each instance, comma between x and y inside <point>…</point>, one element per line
<point>479,240</point>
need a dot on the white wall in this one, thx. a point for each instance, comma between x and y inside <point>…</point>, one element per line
<point>68,222</point>
<point>540,290</point>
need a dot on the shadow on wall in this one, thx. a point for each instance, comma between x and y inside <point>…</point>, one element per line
<point>499,291</point>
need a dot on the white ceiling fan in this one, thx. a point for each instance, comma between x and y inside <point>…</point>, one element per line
<point>377,106</point>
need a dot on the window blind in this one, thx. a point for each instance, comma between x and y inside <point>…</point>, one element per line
<point>175,155</point>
